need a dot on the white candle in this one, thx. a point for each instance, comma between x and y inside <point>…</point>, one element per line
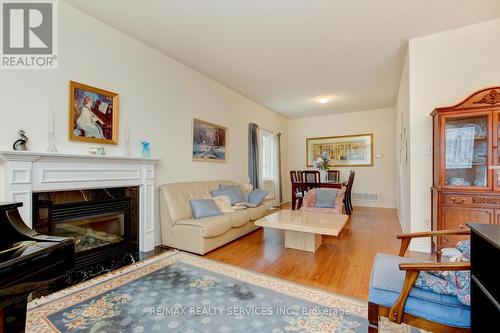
<point>51,122</point>
<point>127,134</point>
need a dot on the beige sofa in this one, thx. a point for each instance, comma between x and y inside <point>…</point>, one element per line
<point>180,230</point>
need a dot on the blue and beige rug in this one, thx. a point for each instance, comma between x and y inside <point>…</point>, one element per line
<point>178,292</point>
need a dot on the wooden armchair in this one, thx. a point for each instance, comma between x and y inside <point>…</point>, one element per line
<point>433,313</point>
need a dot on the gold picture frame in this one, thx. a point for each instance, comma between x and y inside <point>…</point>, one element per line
<point>343,150</point>
<point>209,142</point>
<point>93,114</point>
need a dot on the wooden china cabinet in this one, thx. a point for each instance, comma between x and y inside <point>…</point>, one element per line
<point>466,164</point>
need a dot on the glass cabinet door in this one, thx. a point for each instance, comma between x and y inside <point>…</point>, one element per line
<point>496,151</point>
<point>467,151</point>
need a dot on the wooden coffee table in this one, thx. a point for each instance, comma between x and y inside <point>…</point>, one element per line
<point>303,230</point>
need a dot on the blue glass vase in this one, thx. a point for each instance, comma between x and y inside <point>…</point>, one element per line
<point>146,152</point>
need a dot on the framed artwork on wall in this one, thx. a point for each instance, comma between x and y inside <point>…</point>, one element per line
<point>93,114</point>
<point>346,150</point>
<point>209,141</point>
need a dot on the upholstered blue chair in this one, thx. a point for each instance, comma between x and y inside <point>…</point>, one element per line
<point>393,295</point>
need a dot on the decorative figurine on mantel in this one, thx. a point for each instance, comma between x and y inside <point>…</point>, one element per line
<point>99,151</point>
<point>21,144</point>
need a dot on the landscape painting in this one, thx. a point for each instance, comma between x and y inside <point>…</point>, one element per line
<point>350,150</point>
<point>209,141</point>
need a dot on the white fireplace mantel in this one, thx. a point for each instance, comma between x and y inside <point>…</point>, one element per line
<point>27,172</point>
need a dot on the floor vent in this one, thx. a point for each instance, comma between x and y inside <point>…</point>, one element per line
<point>364,196</point>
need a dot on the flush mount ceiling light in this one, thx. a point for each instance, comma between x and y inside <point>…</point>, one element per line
<point>324,100</point>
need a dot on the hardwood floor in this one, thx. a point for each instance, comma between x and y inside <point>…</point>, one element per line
<point>341,264</point>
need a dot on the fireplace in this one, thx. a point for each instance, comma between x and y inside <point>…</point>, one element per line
<point>103,222</point>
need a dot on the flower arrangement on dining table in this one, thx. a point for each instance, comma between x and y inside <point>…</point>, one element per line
<point>322,162</point>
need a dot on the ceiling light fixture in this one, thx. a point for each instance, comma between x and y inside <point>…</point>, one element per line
<point>324,100</point>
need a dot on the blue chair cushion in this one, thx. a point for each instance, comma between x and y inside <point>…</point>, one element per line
<point>326,197</point>
<point>387,281</point>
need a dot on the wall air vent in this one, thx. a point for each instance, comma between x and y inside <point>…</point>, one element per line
<point>364,196</point>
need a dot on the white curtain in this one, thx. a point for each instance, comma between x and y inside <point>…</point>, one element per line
<point>261,170</point>
<point>269,164</point>
<point>276,169</point>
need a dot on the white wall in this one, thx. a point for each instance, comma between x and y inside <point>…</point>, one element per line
<point>403,196</point>
<point>444,68</point>
<point>158,99</point>
<point>378,179</point>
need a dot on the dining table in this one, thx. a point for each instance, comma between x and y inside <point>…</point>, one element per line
<point>302,187</point>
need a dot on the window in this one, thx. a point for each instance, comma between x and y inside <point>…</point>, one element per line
<point>267,155</point>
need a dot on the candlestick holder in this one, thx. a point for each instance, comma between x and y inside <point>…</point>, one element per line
<point>127,149</point>
<point>52,143</point>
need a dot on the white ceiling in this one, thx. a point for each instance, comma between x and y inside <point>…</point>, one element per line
<point>285,53</point>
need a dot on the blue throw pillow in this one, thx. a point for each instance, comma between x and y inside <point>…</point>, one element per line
<point>204,208</point>
<point>234,192</point>
<point>326,197</point>
<point>257,196</point>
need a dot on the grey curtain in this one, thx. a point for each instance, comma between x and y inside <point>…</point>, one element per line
<point>280,196</point>
<point>253,155</point>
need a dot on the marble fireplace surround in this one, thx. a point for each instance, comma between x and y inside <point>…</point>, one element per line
<point>23,173</point>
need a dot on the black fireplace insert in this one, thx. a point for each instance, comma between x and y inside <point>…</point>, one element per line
<point>102,222</point>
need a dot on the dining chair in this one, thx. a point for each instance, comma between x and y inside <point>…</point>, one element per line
<point>309,202</point>
<point>333,175</point>
<point>348,192</point>
<point>310,177</point>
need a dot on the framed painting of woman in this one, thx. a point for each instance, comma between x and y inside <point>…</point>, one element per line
<point>93,114</point>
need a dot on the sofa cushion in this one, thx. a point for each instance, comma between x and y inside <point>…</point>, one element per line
<point>211,226</point>
<point>257,212</point>
<point>387,282</point>
<point>177,195</point>
<point>257,196</point>
<point>204,208</point>
<point>239,218</point>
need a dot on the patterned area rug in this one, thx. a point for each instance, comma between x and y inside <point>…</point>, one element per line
<point>178,292</point>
